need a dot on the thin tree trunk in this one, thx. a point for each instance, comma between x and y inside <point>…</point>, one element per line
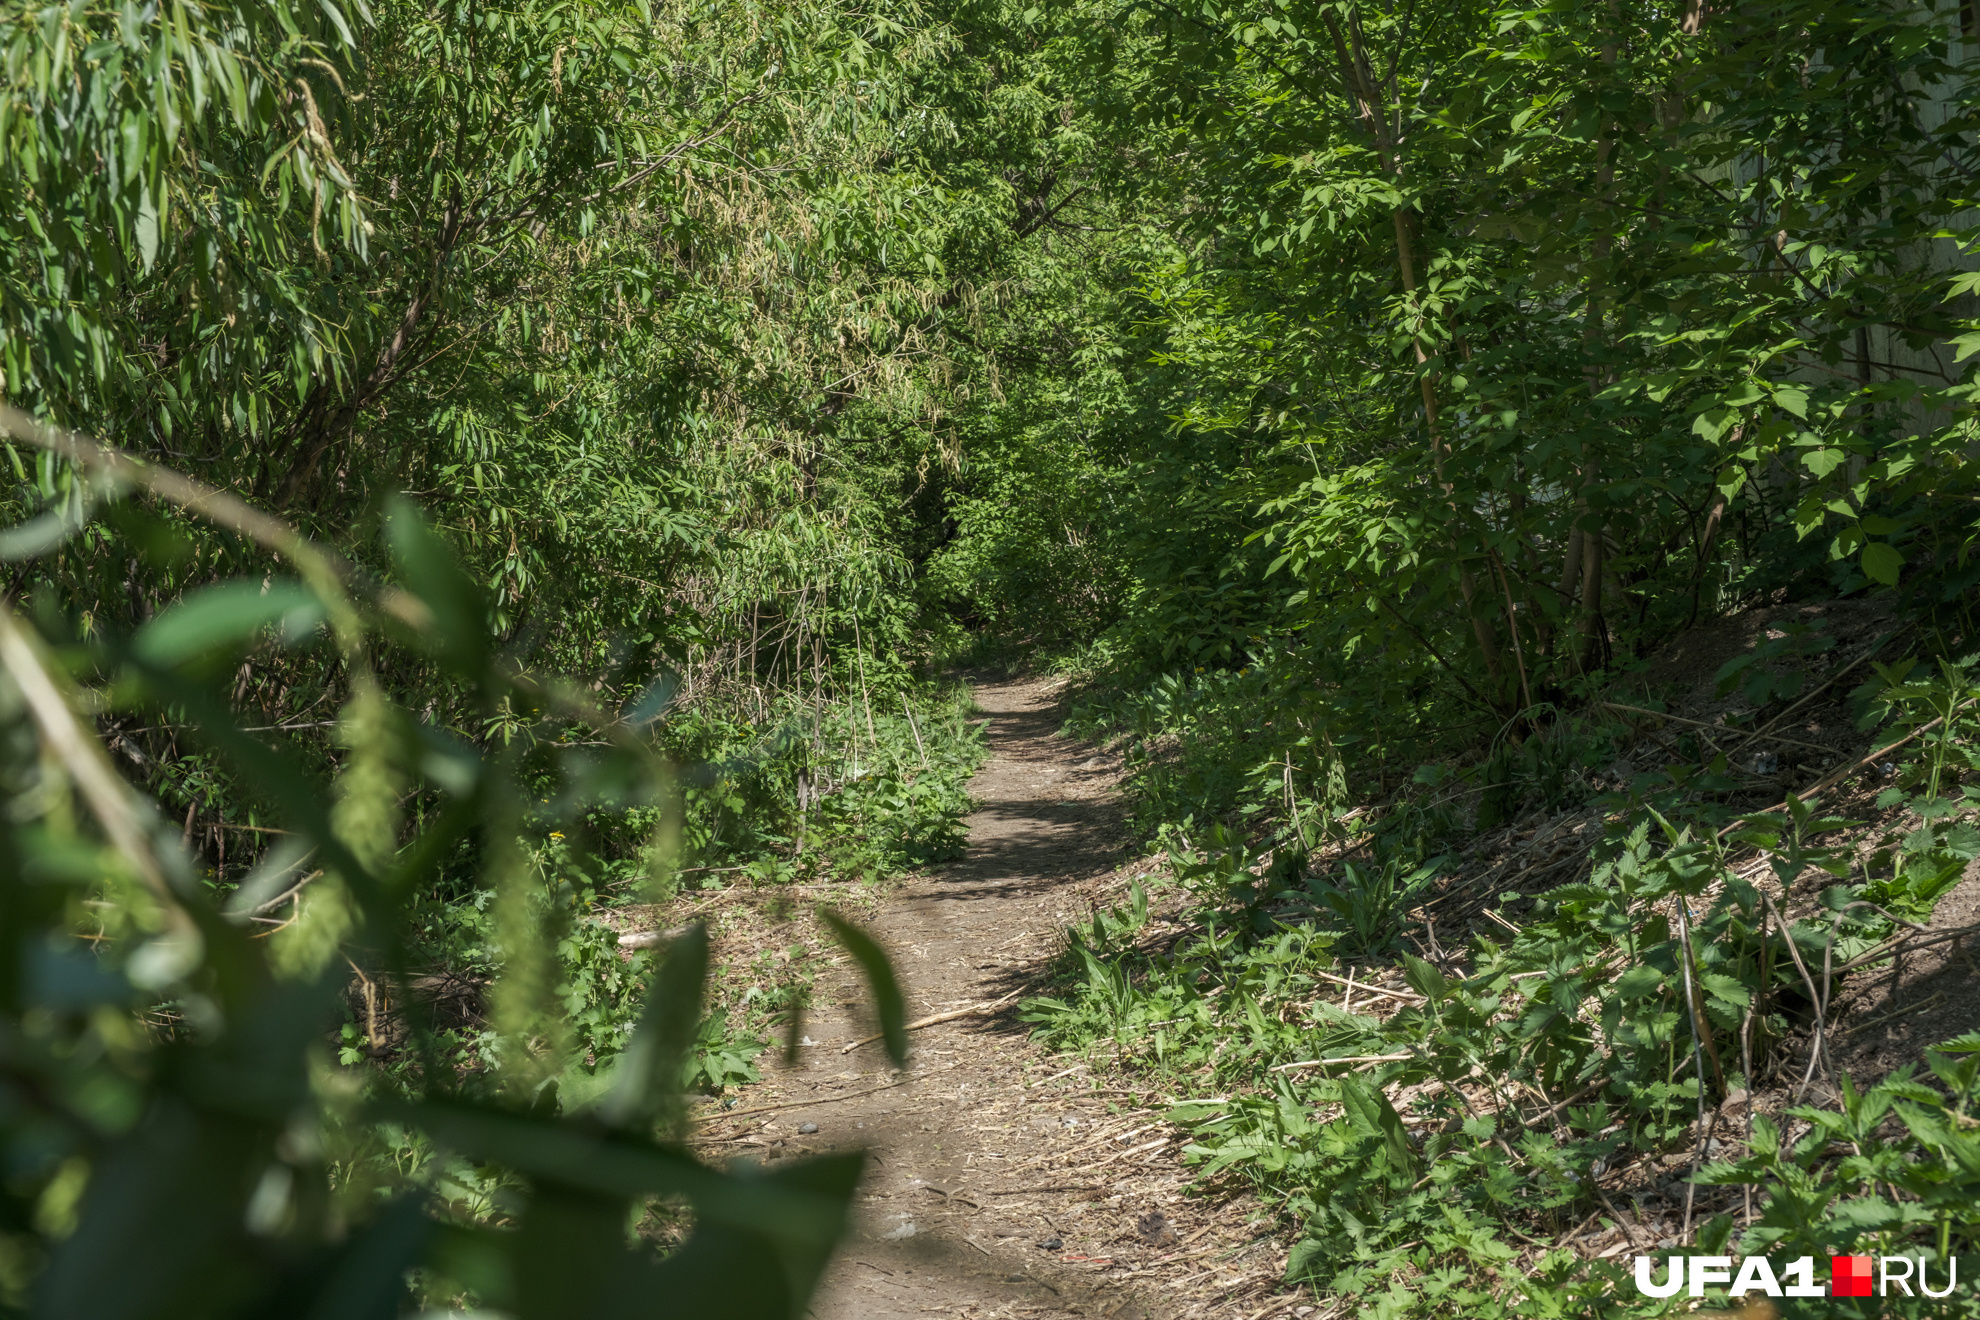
<point>1593,627</point>
<point>865,699</point>
<point>1359,78</point>
<point>1529,562</point>
<point>1707,537</point>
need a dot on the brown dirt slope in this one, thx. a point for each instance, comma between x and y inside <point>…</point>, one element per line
<point>1886,1016</point>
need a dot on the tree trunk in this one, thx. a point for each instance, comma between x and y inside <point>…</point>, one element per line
<point>1593,627</point>
<point>1359,78</point>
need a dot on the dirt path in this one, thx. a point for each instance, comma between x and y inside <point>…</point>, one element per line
<point>1005,1183</point>
<point>1000,1184</point>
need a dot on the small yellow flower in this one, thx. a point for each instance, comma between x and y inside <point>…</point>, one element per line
<point>556,834</point>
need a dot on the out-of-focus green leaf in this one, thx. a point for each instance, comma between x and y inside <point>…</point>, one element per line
<point>889,1005</point>
<point>366,1280</point>
<point>457,632</point>
<point>601,1163</point>
<point>229,615</point>
<point>649,1073</point>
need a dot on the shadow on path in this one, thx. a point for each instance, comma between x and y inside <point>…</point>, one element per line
<point>976,930</point>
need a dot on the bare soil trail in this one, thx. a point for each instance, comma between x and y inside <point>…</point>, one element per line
<point>1000,1183</point>
<point>1005,1183</point>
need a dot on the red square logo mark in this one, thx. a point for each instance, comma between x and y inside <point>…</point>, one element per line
<point>1849,1276</point>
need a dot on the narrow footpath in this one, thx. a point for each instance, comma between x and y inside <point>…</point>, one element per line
<point>1001,1182</point>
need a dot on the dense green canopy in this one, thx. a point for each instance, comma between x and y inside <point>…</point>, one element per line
<point>585,391</point>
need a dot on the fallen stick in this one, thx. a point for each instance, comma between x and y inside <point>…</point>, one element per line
<point>948,1195</point>
<point>1067,1072</point>
<point>651,939</point>
<point>1369,989</point>
<point>1838,775</point>
<point>1101,1141</point>
<point>1111,1156</point>
<point>1352,1058</point>
<point>1717,728</point>
<point>1551,1110</point>
<point>1897,944</point>
<point>932,1020</point>
<point>1825,685</point>
<point>1089,1145</point>
<point>1919,1007</point>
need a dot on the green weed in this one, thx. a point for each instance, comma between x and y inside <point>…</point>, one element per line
<point>1593,1039</point>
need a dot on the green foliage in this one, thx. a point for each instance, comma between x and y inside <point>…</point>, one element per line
<point>1370,902</point>
<point>1214,1003</point>
<point>1427,365</point>
<point>1203,754</point>
<point>1890,1171</point>
<point>1927,852</point>
<point>232,243</point>
<point>168,1105</point>
<point>1758,681</point>
<point>1627,1000</point>
<point>1357,386</point>
<point>719,1060</point>
<point>817,790</point>
<point>182,149</point>
<point>1552,769</point>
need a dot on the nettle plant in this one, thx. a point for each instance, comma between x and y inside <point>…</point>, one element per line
<point>1925,854</point>
<point>1625,1009</point>
<point>176,1138</point>
<point>1892,1170</point>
